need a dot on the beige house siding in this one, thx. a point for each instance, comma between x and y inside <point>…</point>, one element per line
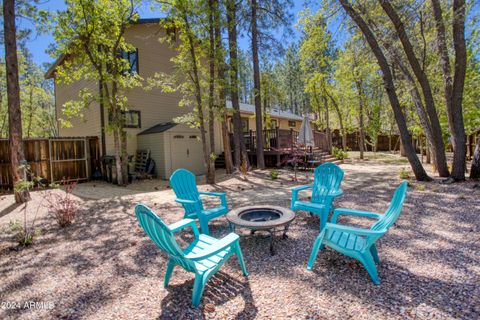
<point>89,124</point>
<point>154,105</point>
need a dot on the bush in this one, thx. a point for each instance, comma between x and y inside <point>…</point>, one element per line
<point>420,187</point>
<point>274,174</point>
<point>61,205</point>
<point>339,153</point>
<point>404,174</point>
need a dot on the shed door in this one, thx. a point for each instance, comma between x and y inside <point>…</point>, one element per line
<point>186,152</point>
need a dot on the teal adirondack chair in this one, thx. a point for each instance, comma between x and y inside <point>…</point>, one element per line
<point>185,188</point>
<point>359,243</point>
<point>204,256</point>
<point>325,188</point>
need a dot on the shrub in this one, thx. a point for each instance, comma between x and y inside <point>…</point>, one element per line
<point>61,204</point>
<point>274,174</point>
<point>339,153</point>
<point>404,173</point>
<point>420,187</point>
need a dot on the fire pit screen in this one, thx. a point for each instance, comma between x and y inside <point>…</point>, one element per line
<point>271,219</point>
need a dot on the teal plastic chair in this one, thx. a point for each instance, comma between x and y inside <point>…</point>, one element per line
<point>325,188</point>
<point>185,187</point>
<point>359,243</point>
<point>204,256</point>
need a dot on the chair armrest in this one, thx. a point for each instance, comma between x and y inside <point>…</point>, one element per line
<point>296,190</point>
<point>354,230</point>
<point>185,201</point>
<point>352,212</point>
<point>184,223</point>
<point>336,193</point>
<point>220,245</point>
<point>221,195</point>
<point>213,194</point>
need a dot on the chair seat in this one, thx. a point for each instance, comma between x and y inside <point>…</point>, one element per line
<point>346,240</point>
<point>203,242</point>
<point>308,206</point>
<point>214,212</point>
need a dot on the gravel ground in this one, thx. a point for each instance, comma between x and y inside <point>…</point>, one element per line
<point>104,267</point>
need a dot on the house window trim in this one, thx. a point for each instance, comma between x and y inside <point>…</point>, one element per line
<point>137,64</point>
<point>139,126</point>
<point>290,123</point>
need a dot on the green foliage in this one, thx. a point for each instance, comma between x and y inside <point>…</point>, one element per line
<point>404,174</point>
<point>420,187</point>
<point>274,174</point>
<point>91,35</point>
<point>339,153</point>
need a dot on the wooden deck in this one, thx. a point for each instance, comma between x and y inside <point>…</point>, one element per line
<point>280,144</point>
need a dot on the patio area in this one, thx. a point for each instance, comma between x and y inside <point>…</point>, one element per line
<point>103,266</point>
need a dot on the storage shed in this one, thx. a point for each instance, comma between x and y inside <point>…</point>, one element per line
<point>173,146</point>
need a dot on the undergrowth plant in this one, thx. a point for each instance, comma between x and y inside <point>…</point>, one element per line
<point>61,205</point>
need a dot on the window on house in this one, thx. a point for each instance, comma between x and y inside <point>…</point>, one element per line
<point>132,58</point>
<point>273,124</point>
<point>131,119</point>
<point>292,124</point>
<point>245,124</point>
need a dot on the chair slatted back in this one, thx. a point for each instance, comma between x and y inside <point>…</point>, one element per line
<point>185,187</point>
<point>161,235</point>
<point>327,178</point>
<point>394,209</point>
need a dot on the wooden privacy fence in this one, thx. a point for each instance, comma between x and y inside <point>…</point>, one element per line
<point>54,159</point>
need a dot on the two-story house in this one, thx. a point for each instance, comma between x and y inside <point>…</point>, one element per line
<point>149,120</point>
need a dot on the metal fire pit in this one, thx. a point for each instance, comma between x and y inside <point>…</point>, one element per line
<point>271,219</point>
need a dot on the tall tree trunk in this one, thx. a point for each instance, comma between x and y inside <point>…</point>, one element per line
<point>475,169</point>
<point>438,146</point>
<point>17,156</point>
<point>211,91</point>
<point>415,163</point>
<point>327,120</point>
<point>361,107</point>
<point>210,176</point>
<point>340,121</point>
<point>240,151</point>
<point>124,153</point>
<point>119,136</point>
<point>221,89</point>
<point>257,92</point>
<point>453,85</point>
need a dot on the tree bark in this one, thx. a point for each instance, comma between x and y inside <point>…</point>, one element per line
<point>453,86</point>
<point>340,120</point>
<point>240,152</point>
<point>361,140</point>
<point>415,163</point>
<point>211,91</point>
<point>475,169</point>
<point>438,146</point>
<point>221,89</point>
<point>17,155</point>
<point>210,176</point>
<point>257,92</point>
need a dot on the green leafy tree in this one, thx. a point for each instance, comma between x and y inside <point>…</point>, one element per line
<point>91,36</point>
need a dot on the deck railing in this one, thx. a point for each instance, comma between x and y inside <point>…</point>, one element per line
<point>281,139</point>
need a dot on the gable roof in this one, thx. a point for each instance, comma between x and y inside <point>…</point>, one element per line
<point>274,112</point>
<point>158,128</point>
<point>50,72</point>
